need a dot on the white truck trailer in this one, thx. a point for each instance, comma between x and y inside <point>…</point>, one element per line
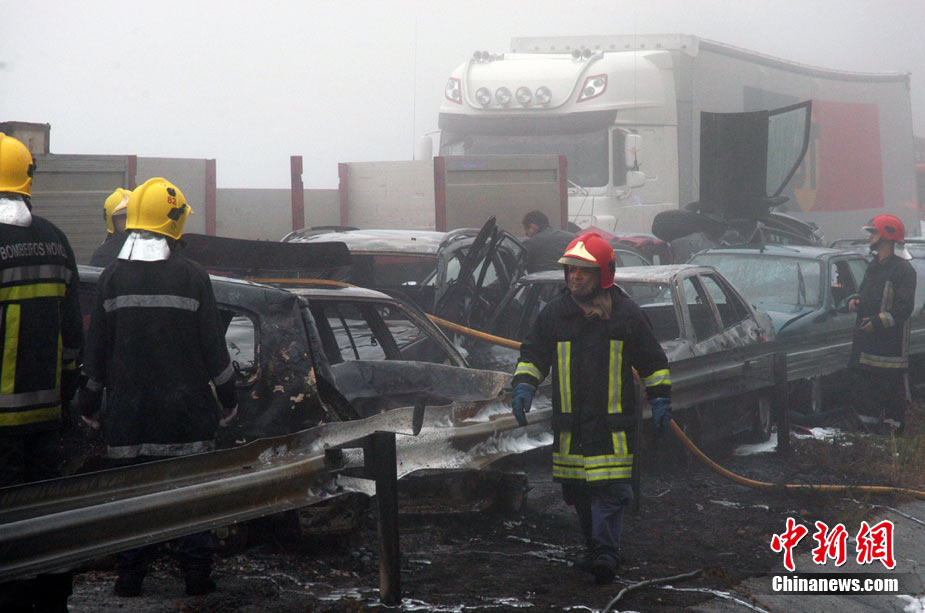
<point>625,110</point>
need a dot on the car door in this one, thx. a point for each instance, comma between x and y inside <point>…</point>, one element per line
<point>701,319</point>
<point>738,324</point>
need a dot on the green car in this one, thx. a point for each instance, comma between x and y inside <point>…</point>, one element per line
<point>803,289</point>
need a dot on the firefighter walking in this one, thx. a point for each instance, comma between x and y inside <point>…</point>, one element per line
<point>591,337</point>
<point>884,305</point>
<point>41,337</point>
<point>154,344</point>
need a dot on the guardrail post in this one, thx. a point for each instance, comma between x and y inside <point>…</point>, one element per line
<point>380,459</point>
<point>781,404</point>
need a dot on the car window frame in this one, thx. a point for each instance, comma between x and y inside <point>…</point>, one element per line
<point>717,321</point>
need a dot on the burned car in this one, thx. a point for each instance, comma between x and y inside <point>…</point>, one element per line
<point>328,353</point>
<point>694,312</point>
<point>459,275</point>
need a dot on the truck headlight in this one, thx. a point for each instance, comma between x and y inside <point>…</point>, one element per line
<point>524,95</point>
<point>483,96</point>
<point>594,86</point>
<point>543,95</point>
<point>503,96</point>
<point>453,91</point>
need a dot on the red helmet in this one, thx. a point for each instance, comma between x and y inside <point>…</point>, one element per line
<point>890,227</point>
<point>590,250</point>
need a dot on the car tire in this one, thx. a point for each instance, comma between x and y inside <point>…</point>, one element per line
<point>762,420</point>
<point>672,225</point>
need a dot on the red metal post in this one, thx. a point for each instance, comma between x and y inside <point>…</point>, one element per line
<point>563,193</point>
<point>297,192</point>
<point>132,171</point>
<point>210,198</point>
<point>342,194</point>
<point>440,193</point>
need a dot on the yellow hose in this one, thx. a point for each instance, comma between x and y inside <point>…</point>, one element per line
<point>491,338</point>
<point>728,474</point>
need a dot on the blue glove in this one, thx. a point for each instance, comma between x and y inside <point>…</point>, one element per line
<point>521,401</point>
<point>661,414</point>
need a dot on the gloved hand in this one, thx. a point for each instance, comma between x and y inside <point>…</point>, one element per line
<point>521,401</point>
<point>661,415</point>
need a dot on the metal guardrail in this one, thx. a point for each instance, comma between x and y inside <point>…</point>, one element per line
<point>57,523</point>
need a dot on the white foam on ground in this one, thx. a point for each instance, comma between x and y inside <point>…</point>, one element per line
<point>822,434</point>
<point>752,449</point>
<point>914,604</point>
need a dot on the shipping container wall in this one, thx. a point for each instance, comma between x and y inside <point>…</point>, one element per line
<point>266,214</point>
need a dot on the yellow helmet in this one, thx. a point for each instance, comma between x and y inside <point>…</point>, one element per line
<point>16,166</point>
<point>115,203</point>
<point>157,206</point>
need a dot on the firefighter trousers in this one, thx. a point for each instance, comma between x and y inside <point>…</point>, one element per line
<point>600,514</point>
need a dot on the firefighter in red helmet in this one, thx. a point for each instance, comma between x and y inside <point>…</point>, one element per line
<point>884,305</point>
<point>591,337</point>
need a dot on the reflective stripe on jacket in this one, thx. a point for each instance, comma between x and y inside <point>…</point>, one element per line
<point>887,299</point>
<point>40,326</point>
<point>594,400</point>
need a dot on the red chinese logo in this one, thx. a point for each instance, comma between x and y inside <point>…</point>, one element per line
<point>831,544</point>
<point>788,540</point>
<point>876,543</point>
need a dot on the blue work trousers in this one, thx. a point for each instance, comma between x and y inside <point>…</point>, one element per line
<point>600,514</point>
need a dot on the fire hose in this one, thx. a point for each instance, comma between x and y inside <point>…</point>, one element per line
<point>700,455</point>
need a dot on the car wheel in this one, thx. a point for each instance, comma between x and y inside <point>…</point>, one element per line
<point>762,420</point>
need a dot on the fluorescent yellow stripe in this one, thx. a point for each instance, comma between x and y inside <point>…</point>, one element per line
<point>10,350</point>
<point>565,378</point>
<point>21,418</point>
<point>525,368</point>
<point>58,362</point>
<point>36,290</point>
<point>621,473</point>
<point>659,377</point>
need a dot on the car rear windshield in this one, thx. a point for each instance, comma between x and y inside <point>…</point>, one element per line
<point>657,302</point>
<point>766,280</point>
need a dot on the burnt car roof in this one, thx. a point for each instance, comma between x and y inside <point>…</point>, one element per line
<point>793,251</point>
<point>651,274</point>
<point>308,288</point>
<point>423,242</point>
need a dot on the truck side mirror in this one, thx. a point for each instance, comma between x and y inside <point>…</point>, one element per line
<point>632,150</point>
<point>635,178</point>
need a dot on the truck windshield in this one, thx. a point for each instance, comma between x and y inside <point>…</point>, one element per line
<point>586,152</point>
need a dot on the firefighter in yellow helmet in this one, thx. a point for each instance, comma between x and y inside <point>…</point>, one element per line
<point>114,211</point>
<point>591,337</point>
<point>39,352</point>
<point>155,344</point>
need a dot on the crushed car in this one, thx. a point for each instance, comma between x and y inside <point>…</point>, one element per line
<point>459,275</point>
<point>694,311</point>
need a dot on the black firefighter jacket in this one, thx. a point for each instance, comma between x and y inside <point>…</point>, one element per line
<point>544,249</point>
<point>155,341</point>
<point>41,332</point>
<point>887,297</point>
<point>594,399</point>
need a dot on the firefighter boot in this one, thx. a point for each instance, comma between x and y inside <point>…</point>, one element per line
<point>199,582</point>
<point>604,569</point>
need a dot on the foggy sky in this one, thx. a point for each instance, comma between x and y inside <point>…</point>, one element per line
<point>252,83</point>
